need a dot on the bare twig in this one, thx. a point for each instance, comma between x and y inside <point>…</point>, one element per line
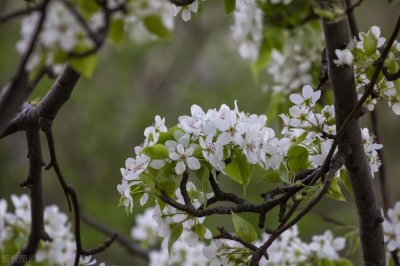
<point>19,13</point>
<point>122,240</point>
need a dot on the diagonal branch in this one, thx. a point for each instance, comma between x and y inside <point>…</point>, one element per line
<point>14,94</point>
<point>122,240</point>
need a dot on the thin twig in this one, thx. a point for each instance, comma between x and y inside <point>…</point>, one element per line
<point>122,240</point>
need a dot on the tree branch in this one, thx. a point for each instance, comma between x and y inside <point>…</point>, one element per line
<point>181,2</point>
<point>14,94</point>
<point>34,181</point>
<point>122,240</point>
<point>346,106</point>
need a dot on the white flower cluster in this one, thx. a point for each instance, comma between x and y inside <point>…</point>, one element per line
<point>169,217</point>
<point>60,32</point>
<point>391,228</point>
<point>247,28</point>
<point>16,225</point>
<point>292,68</point>
<point>213,140</point>
<point>366,52</point>
<point>288,249</point>
<point>314,129</point>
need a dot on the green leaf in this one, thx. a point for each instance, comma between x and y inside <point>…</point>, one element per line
<point>168,185</point>
<point>272,176</point>
<point>239,170</point>
<point>297,158</point>
<point>59,56</point>
<point>156,152</point>
<point>264,55</point>
<point>200,230</point>
<point>164,172</point>
<point>169,135</point>
<point>243,229</point>
<point>230,6</point>
<point>154,24</point>
<point>284,173</point>
<point>300,138</point>
<point>326,262</point>
<point>176,231</point>
<point>203,174</point>
<point>335,192</point>
<point>343,262</point>
<point>148,180</point>
<point>117,31</point>
<point>324,13</point>
<point>84,65</point>
<point>346,181</point>
<point>88,7</point>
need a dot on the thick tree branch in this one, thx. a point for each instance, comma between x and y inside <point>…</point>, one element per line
<point>34,181</point>
<point>338,35</point>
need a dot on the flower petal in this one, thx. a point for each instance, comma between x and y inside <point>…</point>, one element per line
<point>193,163</point>
<point>180,168</point>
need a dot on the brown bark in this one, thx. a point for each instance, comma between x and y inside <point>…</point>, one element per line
<point>337,36</point>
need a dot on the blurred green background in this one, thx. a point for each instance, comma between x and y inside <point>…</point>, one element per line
<point>98,128</point>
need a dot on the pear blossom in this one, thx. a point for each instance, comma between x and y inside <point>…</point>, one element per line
<point>182,153</point>
<point>212,152</point>
<point>125,190</point>
<point>326,246</point>
<point>344,57</point>
<point>307,98</point>
<point>187,10</point>
<point>60,251</point>
<point>134,167</point>
<point>252,144</point>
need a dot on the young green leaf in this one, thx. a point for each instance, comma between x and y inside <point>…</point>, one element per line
<point>297,158</point>
<point>157,152</point>
<point>343,262</point>
<point>154,24</point>
<point>335,192</point>
<point>230,6</point>
<point>116,32</point>
<point>239,170</point>
<point>176,231</point>
<point>84,65</point>
<point>243,229</point>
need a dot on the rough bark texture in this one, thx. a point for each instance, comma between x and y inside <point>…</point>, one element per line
<point>337,36</point>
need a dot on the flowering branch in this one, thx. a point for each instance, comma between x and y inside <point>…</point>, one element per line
<point>17,91</point>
